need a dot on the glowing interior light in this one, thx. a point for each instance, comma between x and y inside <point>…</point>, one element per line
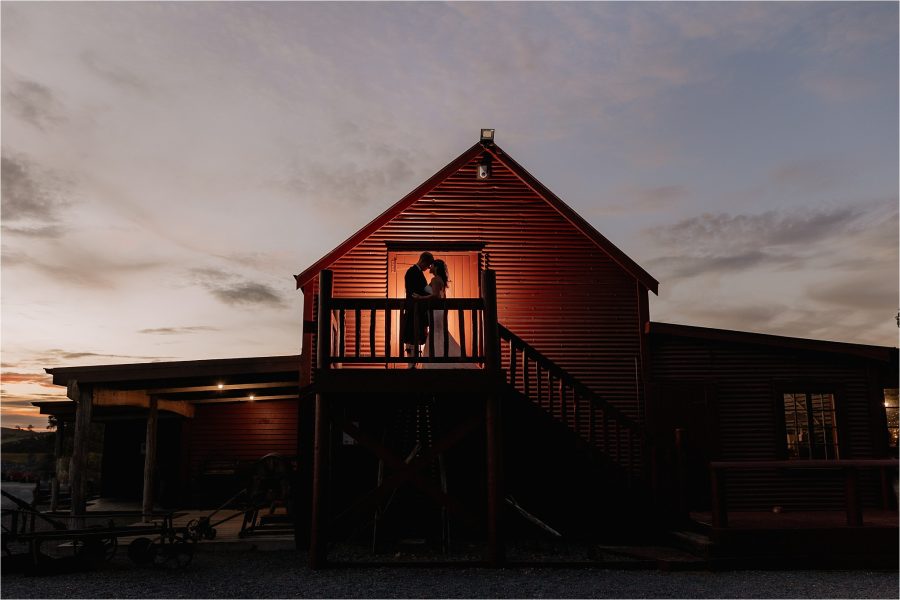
<point>221,385</point>
<point>252,397</point>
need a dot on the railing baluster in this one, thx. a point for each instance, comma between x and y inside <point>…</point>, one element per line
<point>476,342</point>
<point>388,317</point>
<point>431,333</point>
<point>417,330</point>
<point>562,402</point>
<point>525,370</point>
<point>575,413</point>
<point>512,364</point>
<point>341,337</point>
<point>606,440</point>
<point>540,387</point>
<point>462,332</point>
<point>446,333</point>
<point>372,332</point>
<point>618,442</point>
<point>630,457</point>
<point>550,391</point>
<point>591,424</point>
<point>357,330</point>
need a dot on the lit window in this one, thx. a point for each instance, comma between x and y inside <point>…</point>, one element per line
<point>891,416</point>
<point>810,427</point>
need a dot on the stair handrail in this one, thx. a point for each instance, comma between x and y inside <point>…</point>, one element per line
<point>560,373</point>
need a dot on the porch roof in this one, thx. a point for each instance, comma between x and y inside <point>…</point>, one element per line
<point>124,388</point>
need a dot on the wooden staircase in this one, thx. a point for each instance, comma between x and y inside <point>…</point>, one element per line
<point>571,443</point>
<point>612,437</point>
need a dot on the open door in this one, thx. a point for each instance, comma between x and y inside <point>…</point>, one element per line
<point>463,269</point>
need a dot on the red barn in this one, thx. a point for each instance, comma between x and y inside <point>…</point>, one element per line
<point>592,418</point>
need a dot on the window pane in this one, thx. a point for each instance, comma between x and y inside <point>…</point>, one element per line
<point>803,409</point>
<point>891,408</point>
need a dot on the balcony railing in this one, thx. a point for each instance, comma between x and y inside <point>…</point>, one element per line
<point>369,331</point>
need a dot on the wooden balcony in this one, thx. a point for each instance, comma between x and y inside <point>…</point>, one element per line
<point>359,344</point>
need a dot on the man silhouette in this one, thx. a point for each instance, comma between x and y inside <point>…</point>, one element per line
<point>415,283</point>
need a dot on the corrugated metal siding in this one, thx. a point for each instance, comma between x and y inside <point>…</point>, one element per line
<point>746,381</point>
<point>242,431</point>
<point>556,289</point>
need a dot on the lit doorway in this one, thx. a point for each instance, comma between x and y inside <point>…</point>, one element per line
<point>463,270</point>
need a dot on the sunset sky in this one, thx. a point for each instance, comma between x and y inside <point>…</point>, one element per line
<point>167,167</point>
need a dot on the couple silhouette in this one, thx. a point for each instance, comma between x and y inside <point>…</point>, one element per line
<point>430,323</point>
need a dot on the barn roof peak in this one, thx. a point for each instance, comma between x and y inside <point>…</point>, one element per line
<point>487,148</point>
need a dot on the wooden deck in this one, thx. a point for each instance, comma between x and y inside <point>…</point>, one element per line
<point>409,381</point>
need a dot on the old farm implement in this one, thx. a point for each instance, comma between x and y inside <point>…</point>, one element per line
<point>264,505</point>
<point>38,543</point>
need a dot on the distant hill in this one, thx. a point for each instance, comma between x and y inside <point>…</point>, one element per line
<point>22,440</point>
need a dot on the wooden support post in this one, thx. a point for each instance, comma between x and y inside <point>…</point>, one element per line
<point>491,332</point>
<point>681,473</point>
<point>495,549</point>
<point>57,454</point>
<point>854,506</point>
<point>84,396</point>
<point>495,545</point>
<point>719,511</point>
<point>318,537</point>
<point>150,459</point>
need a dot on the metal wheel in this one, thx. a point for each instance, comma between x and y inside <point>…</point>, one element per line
<point>142,551</point>
<point>97,548</point>
<point>176,554</point>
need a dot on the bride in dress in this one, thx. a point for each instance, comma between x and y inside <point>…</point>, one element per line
<point>437,288</point>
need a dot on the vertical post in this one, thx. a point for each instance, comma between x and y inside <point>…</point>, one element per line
<point>719,512</point>
<point>318,554</point>
<point>681,473</point>
<point>854,506</point>
<point>57,454</point>
<point>84,396</point>
<point>491,332</point>
<point>302,495</point>
<point>150,459</point>
<point>495,546</point>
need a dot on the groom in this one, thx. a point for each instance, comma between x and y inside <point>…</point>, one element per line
<point>415,283</point>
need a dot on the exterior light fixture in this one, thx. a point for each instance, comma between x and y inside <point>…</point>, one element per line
<point>221,386</point>
<point>252,397</point>
<point>483,170</point>
<point>487,135</point>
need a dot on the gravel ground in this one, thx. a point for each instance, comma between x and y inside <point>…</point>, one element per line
<point>255,574</point>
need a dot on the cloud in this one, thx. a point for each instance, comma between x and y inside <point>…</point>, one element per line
<point>41,379</point>
<point>116,75</point>
<point>236,291</point>
<point>720,232</point>
<point>247,294</point>
<point>29,193</point>
<point>83,268</point>
<point>686,266</point>
<point>44,232</point>
<point>56,354</point>
<point>646,199</point>
<point>868,291</point>
<point>809,175</point>
<point>361,174</point>
<point>178,330</point>
<point>31,101</point>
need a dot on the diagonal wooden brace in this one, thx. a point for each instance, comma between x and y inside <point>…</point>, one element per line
<point>409,472</point>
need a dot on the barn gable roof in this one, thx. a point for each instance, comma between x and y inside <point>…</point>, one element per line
<point>622,259</point>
